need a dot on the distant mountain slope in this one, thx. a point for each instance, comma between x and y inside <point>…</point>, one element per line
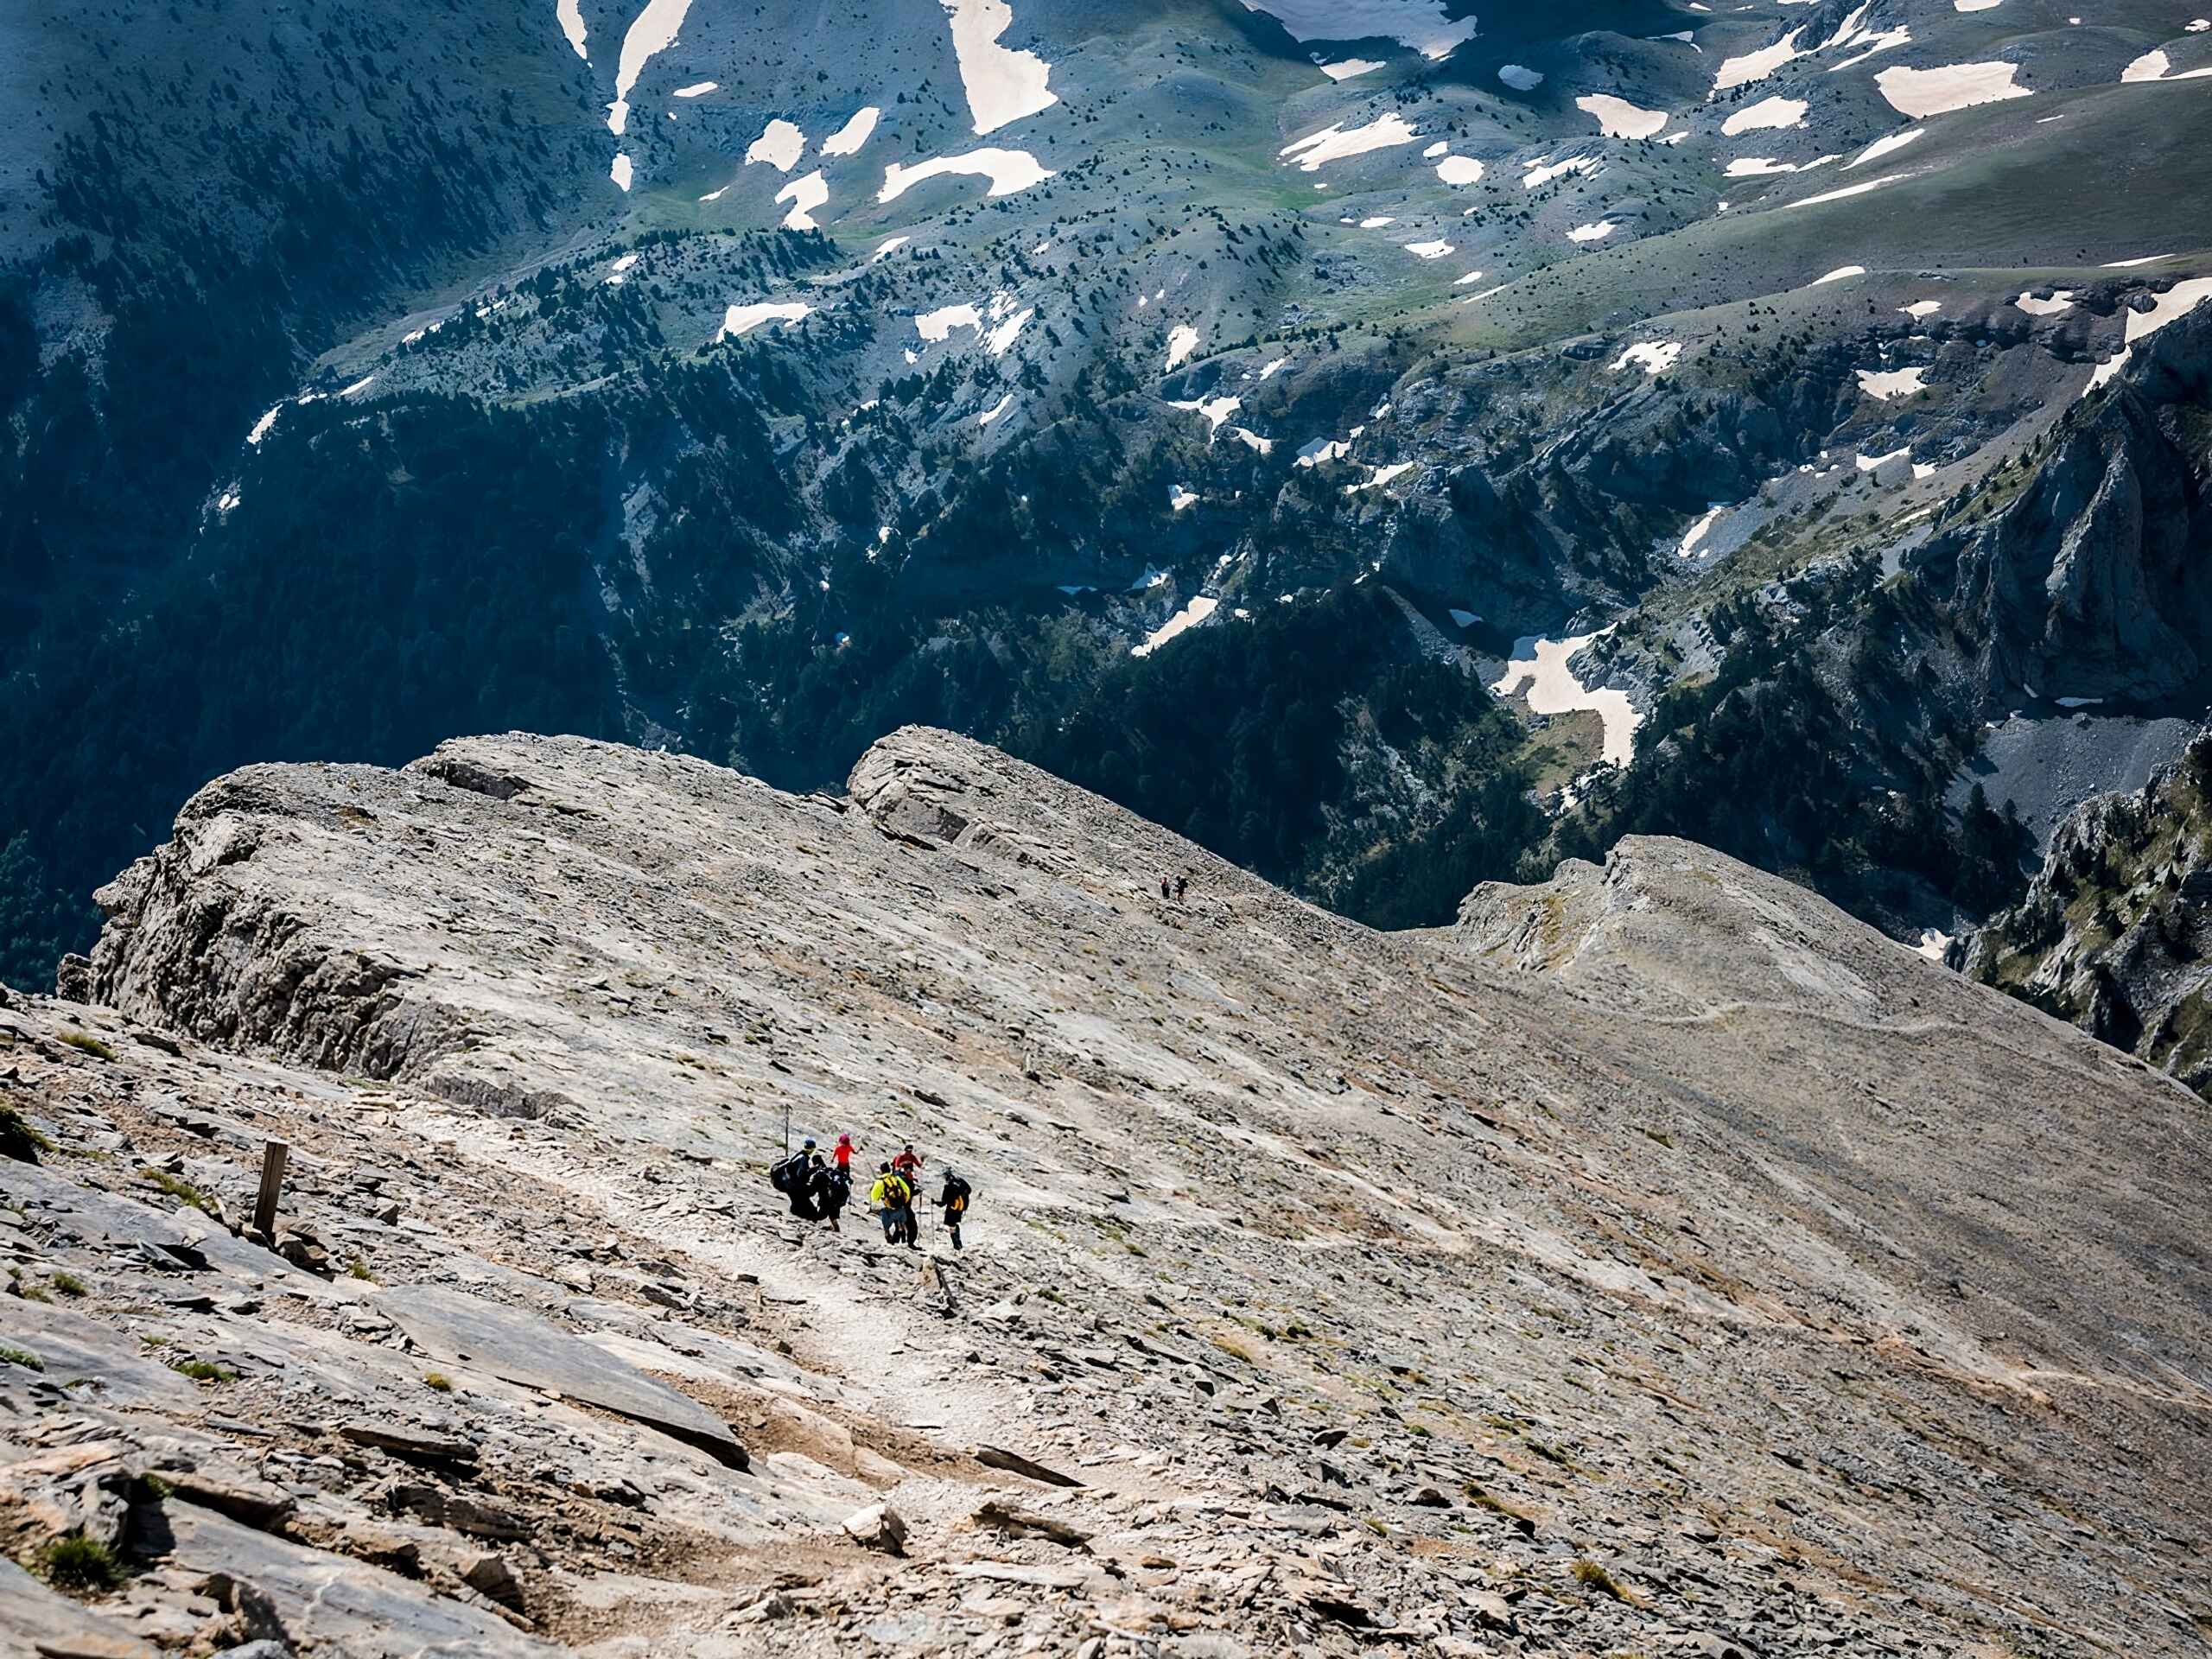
<point>751,385</point>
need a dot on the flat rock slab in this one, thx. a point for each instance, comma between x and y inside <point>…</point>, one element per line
<point>335,1604</point>
<point>463,1329</point>
<point>37,1620</point>
<point>106,1365</point>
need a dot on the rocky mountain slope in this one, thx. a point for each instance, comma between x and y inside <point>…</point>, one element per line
<point>751,383</point>
<point>1656,1260</point>
<point>2110,934</point>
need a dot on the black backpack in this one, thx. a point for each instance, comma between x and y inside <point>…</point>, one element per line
<point>781,1173</point>
<point>959,1193</point>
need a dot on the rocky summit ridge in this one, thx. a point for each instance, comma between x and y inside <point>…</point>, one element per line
<point>1656,1261</point>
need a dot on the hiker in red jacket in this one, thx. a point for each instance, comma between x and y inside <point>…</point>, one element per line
<point>843,1151</point>
<point>908,1163</point>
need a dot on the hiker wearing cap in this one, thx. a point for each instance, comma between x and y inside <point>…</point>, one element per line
<point>908,1163</point>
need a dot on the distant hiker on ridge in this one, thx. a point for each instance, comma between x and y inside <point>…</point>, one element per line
<point>1164,889</point>
<point>1182,885</point>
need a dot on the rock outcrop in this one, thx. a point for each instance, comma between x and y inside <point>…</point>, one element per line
<point>1658,1261</point>
<point>2113,933</point>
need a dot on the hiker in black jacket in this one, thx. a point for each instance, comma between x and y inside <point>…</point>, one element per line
<point>954,1202</point>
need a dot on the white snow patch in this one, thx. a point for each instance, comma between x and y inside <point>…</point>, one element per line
<point>1002,337</point>
<point>1934,942</point>
<point>1520,77</point>
<point>848,138</point>
<point>1179,497</point>
<point>1554,690</point>
<point>2061,299</point>
<point>1008,170</point>
<point>1881,147</point>
<point>621,172</point>
<point>1429,249</point>
<point>1618,118</point>
<point>1182,341</point>
<point>937,324</point>
<point>1215,411</point>
<point>1840,274</point>
<point>572,25</point>
<point>780,145</point>
<point>1421,24</point>
<point>1003,84</point>
<point>1847,190</point>
<point>698,89</point>
<point>1653,357</point>
<point>744,318</point>
<point>1598,232</point>
<point>1375,222</point>
<point>1919,308</point>
<point>1769,113</point>
<point>1272,368</point>
<point>652,30</point>
<point>1539,173</point>
<point>1348,68</point>
<point>1335,142</point>
<point>1919,92</point>
<point>2172,306</point>
<point>1378,476</point>
<point>1694,536</point>
<point>1891,383</point>
<point>995,410</point>
<point>1182,622</point>
<point>805,193</point>
<point>1459,170</point>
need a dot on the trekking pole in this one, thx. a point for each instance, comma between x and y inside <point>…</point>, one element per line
<point>787,1128</point>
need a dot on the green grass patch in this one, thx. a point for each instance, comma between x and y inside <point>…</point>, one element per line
<point>76,1562</point>
<point>1591,1576</point>
<point>202,1370</point>
<point>182,1190</point>
<point>11,1355</point>
<point>439,1380</point>
<point>85,1043</point>
<point>69,1284</point>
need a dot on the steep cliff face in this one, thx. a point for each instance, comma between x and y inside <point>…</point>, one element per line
<point>1659,1259</point>
<point>2114,933</point>
<point>2092,582</point>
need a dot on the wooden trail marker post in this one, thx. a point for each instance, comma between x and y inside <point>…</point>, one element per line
<point>272,1185</point>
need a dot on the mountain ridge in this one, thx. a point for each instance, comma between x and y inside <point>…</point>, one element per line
<point>1426,1274</point>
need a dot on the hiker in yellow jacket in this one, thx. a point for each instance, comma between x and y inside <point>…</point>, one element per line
<point>892,1198</point>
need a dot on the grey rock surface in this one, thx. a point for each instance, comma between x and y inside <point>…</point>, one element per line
<point>1662,1220</point>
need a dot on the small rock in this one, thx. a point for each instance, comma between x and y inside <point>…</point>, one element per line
<point>878,1526</point>
<point>491,1577</point>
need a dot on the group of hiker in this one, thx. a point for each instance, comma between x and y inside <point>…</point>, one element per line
<point>819,1189</point>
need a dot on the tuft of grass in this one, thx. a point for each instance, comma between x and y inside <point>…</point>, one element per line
<point>439,1380</point>
<point>76,1562</point>
<point>182,1190</point>
<point>18,1140</point>
<point>202,1370</point>
<point>11,1355</point>
<point>85,1043</point>
<point>1591,1576</point>
<point>69,1284</point>
<point>356,1268</point>
<point>31,1292</point>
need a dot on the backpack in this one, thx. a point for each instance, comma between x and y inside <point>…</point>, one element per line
<point>960,1194</point>
<point>781,1173</point>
